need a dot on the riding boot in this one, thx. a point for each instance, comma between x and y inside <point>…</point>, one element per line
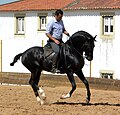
<point>54,65</point>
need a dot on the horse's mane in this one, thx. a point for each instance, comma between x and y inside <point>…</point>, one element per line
<point>82,34</point>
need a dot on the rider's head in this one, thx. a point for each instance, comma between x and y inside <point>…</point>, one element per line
<point>58,15</point>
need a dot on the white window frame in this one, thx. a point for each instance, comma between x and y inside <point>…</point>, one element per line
<point>109,74</point>
<point>42,22</point>
<point>20,25</point>
<point>108,25</point>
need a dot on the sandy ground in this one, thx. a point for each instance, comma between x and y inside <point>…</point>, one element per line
<point>20,100</point>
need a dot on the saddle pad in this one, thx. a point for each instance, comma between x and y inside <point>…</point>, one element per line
<point>47,51</point>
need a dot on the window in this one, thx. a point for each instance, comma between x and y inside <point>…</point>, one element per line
<point>20,25</point>
<point>42,22</point>
<point>109,74</point>
<point>108,25</point>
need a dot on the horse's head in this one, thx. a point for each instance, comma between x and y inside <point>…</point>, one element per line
<point>88,48</point>
<point>83,42</point>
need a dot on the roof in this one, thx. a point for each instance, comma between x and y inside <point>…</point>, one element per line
<point>35,5</point>
<point>95,4</point>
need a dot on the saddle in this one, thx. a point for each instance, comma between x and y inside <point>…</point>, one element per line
<point>47,50</point>
<point>64,51</point>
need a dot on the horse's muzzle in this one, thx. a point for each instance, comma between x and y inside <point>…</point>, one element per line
<point>89,58</point>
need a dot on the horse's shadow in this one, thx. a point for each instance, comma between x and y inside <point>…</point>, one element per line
<point>85,104</point>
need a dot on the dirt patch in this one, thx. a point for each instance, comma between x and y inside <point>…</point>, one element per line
<point>20,100</point>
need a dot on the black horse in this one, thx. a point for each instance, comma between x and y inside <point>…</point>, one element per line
<point>71,61</point>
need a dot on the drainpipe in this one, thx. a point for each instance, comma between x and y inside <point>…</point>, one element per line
<point>90,69</point>
<point>42,43</point>
<point>42,46</point>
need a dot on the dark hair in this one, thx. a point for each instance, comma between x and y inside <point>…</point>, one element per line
<point>57,12</point>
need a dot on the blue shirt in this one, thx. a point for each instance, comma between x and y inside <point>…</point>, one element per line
<point>55,28</point>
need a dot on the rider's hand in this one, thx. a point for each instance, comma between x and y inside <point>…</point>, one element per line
<point>68,34</point>
<point>56,41</point>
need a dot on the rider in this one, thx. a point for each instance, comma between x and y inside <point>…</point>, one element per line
<point>55,29</point>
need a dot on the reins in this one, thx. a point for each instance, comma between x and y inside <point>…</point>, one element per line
<point>76,49</point>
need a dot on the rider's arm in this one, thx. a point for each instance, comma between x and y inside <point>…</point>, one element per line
<point>66,33</point>
<point>49,30</point>
<point>52,38</point>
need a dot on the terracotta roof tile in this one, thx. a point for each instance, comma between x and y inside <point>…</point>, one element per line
<point>26,5</point>
<point>95,4</point>
<point>33,5</point>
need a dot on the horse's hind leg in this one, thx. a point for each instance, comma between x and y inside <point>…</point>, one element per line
<point>39,93</point>
<point>72,81</point>
<point>83,79</point>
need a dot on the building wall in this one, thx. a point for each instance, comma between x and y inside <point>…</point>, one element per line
<point>106,52</point>
<point>116,45</point>
<point>13,44</point>
<point>0,55</point>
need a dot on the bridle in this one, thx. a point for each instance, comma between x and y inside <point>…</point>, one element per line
<point>76,49</point>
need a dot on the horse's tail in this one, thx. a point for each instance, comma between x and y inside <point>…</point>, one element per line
<point>17,57</point>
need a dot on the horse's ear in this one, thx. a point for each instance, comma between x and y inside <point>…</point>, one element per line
<point>94,38</point>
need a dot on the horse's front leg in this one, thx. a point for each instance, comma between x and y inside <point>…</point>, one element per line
<point>72,81</point>
<point>83,79</point>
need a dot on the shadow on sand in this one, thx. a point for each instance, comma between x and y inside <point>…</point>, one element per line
<point>85,104</point>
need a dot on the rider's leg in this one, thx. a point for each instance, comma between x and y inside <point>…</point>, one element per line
<point>54,64</point>
<point>56,49</point>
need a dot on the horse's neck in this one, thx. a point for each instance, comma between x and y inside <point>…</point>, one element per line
<point>73,51</point>
<point>77,43</point>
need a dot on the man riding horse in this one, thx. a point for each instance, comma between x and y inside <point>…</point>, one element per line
<point>71,62</point>
<point>55,29</point>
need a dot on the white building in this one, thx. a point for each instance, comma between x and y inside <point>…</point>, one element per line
<point>23,24</point>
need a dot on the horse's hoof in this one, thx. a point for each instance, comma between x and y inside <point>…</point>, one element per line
<point>62,97</point>
<point>43,97</point>
<point>65,96</point>
<point>42,102</point>
<point>87,101</point>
